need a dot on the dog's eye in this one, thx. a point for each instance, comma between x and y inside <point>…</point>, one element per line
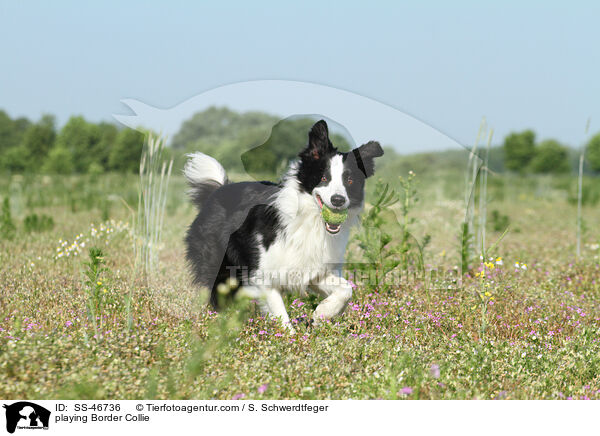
<point>349,180</point>
<point>324,179</point>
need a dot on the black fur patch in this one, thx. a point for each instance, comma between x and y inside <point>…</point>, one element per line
<point>222,240</point>
<point>314,159</point>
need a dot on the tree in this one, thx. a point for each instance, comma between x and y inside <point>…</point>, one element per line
<point>126,152</point>
<point>37,143</point>
<point>593,152</point>
<point>519,150</point>
<point>105,137</point>
<point>59,161</point>
<point>78,138</point>
<point>214,125</point>
<point>550,157</point>
<point>11,132</point>
<point>11,136</point>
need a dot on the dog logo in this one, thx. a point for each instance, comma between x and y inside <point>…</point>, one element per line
<point>26,415</point>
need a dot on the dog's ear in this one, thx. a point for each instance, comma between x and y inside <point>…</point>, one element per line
<point>365,155</point>
<point>318,141</point>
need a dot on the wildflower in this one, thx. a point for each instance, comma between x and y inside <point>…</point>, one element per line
<point>434,371</point>
<point>99,283</point>
<point>487,294</point>
<point>499,261</point>
<point>406,390</point>
<point>238,396</point>
<point>263,388</point>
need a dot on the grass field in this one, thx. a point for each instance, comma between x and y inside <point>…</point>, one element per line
<point>503,331</point>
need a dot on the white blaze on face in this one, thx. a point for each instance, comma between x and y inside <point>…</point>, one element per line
<point>335,185</point>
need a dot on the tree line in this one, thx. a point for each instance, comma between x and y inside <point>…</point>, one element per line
<point>253,142</point>
<point>524,155</point>
<point>79,146</point>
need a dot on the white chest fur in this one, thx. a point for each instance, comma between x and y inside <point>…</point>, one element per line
<point>303,251</point>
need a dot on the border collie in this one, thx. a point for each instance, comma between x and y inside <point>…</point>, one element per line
<point>272,237</point>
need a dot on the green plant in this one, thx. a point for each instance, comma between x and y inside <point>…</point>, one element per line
<point>96,288</point>
<point>484,294</point>
<point>155,173</point>
<point>499,222</point>
<point>588,194</point>
<point>7,226</point>
<point>465,249</point>
<point>34,223</point>
<point>467,229</point>
<point>221,336</point>
<point>580,194</point>
<point>410,249</point>
<point>375,238</point>
<point>483,191</point>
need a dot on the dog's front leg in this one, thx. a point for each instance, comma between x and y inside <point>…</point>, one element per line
<point>338,293</point>
<point>271,302</point>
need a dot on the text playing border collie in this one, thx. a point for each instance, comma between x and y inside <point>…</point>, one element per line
<point>272,237</point>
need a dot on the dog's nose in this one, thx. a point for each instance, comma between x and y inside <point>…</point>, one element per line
<point>337,200</point>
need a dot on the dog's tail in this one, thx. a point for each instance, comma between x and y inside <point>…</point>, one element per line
<point>204,175</point>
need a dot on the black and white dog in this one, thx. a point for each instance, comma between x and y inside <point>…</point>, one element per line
<point>272,237</point>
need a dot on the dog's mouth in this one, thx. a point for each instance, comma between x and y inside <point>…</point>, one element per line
<point>331,227</point>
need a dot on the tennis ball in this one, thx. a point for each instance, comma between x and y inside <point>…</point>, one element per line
<point>334,216</point>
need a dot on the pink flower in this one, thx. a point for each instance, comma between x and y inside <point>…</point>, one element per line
<point>68,323</point>
<point>238,396</point>
<point>263,388</point>
<point>434,371</point>
<point>406,390</point>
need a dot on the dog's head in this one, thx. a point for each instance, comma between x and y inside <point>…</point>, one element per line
<point>336,180</point>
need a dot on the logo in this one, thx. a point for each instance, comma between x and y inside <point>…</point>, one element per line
<point>26,415</point>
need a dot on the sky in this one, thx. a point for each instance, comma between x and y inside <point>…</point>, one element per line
<point>525,64</point>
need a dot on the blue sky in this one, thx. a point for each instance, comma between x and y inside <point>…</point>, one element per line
<point>521,64</point>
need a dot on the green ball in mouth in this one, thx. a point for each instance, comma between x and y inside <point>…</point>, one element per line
<point>332,216</point>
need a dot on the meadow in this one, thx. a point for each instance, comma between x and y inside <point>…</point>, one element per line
<point>523,322</point>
